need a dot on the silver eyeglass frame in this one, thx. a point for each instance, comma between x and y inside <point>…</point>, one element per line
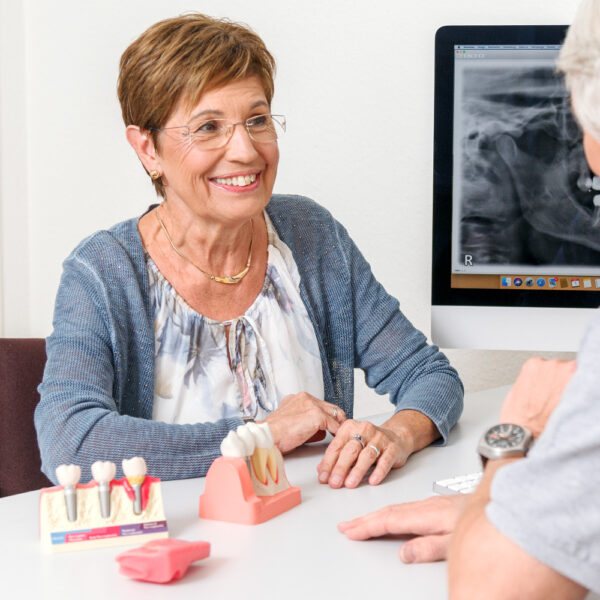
<point>226,130</point>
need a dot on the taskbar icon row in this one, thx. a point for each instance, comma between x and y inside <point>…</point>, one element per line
<point>561,283</point>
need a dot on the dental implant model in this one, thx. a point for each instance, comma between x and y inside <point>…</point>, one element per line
<point>103,512</point>
<point>68,476</point>
<point>239,443</point>
<point>135,471</point>
<point>245,435</point>
<point>248,483</point>
<point>103,473</point>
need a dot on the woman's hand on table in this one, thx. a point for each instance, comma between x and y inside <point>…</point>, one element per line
<point>299,417</point>
<point>360,445</point>
<point>348,457</point>
<point>431,521</point>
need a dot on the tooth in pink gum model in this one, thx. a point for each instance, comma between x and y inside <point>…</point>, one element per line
<point>161,561</point>
<point>135,472</point>
<point>248,483</point>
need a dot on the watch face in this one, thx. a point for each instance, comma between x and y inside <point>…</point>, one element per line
<point>505,436</point>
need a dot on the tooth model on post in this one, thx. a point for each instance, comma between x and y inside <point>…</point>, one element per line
<point>135,471</point>
<point>249,443</point>
<point>103,473</point>
<point>68,476</point>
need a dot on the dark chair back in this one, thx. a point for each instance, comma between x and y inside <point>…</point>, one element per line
<point>21,370</point>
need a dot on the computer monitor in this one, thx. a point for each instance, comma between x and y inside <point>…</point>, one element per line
<point>516,212</point>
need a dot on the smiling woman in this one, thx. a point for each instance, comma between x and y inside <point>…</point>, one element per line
<point>226,303</point>
<point>197,169</point>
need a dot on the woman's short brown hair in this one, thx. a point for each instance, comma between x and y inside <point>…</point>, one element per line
<point>178,59</point>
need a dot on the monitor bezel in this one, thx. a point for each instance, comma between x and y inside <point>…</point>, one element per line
<point>441,293</point>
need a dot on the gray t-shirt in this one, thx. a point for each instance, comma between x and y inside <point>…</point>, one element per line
<point>549,503</point>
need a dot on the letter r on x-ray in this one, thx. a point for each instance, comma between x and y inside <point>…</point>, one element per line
<point>468,260</point>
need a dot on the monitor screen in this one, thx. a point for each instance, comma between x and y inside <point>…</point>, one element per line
<point>516,242</point>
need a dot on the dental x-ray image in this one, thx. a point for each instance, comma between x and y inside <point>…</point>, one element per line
<point>526,194</point>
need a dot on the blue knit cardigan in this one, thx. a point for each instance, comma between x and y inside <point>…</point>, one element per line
<point>98,386</point>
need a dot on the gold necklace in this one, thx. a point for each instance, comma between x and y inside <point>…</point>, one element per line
<point>228,278</point>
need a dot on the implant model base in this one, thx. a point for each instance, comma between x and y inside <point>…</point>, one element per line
<point>229,495</point>
<point>90,529</point>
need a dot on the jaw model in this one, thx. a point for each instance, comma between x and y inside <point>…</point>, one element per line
<point>265,464</point>
<point>248,483</point>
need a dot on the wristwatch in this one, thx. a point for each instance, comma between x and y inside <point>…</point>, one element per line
<point>504,441</point>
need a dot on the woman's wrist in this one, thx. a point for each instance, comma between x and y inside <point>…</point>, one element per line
<point>414,428</point>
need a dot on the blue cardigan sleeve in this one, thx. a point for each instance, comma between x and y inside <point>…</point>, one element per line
<point>358,324</point>
<point>96,394</point>
<point>395,356</point>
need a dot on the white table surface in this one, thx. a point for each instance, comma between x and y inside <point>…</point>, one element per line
<point>299,554</point>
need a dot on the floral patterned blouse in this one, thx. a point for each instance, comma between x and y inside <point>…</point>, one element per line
<point>202,374</point>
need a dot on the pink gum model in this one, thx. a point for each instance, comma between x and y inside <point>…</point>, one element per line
<point>161,561</point>
<point>229,495</point>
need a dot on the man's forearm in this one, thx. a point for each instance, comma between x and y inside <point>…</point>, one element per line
<point>484,563</point>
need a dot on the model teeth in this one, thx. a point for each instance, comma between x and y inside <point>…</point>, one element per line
<point>239,181</point>
<point>247,437</point>
<point>103,472</point>
<point>68,476</point>
<point>264,457</point>
<point>272,464</point>
<point>232,445</point>
<point>254,442</point>
<point>135,471</point>
<point>262,434</point>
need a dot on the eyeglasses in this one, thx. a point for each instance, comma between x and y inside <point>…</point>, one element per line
<point>215,133</point>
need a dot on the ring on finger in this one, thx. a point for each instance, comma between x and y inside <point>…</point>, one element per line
<point>359,439</point>
<point>376,449</point>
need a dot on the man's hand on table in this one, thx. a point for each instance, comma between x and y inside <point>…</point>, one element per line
<point>530,402</point>
<point>431,521</point>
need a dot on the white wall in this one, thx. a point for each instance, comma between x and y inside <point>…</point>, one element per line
<point>355,80</point>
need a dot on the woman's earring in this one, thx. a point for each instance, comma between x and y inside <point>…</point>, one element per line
<point>154,175</point>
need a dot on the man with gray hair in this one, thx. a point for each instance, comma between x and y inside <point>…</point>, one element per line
<point>532,528</point>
